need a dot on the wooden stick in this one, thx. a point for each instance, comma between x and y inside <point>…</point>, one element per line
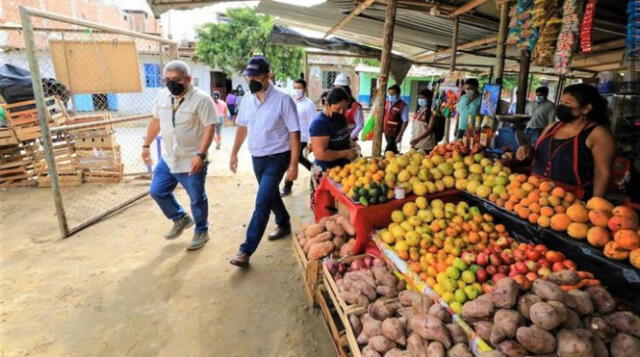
<point>466,8</point>
<point>454,44</point>
<point>502,39</point>
<point>465,46</point>
<point>356,11</point>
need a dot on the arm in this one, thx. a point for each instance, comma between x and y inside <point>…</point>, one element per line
<point>405,121</point>
<point>321,152</point>
<point>241,135</point>
<point>427,132</point>
<point>359,119</point>
<point>153,129</point>
<point>526,151</point>
<point>294,138</point>
<point>603,150</point>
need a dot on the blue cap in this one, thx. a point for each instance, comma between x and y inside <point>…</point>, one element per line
<point>257,65</point>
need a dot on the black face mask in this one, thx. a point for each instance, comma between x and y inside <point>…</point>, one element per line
<point>564,114</point>
<point>175,88</point>
<point>255,86</point>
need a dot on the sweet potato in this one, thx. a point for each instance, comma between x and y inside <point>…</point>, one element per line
<point>570,344</point>
<point>323,237</point>
<point>381,343</point>
<point>505,293</point>
<point>459,350</point>
<point>547,290</point>
<point>625,322</point>
<point>303,241</point>
<point>584,305</point>
<point>347,248</point>
<point>435,349</point>
<point>368,351</point>
<point>393,329</point>
<point>624,345</point>
<point>512,348</point>
<point>396,352</point>
<point>406,312</point>
<point>493,353</point>
<point>402,285</point>
<point>572,321</point>
<point>320,250</point>
<point>379,310</point>
<point>346,225</point>
<point>599,327</point>
<point>386,291</point>
<point>478,309</point>
<point>416,345</point>
<point>362,339</point>
<point>431,328</point>
<point>366,289</point>
<point>440,312</point>
<point>370,326</point>
<point>383,276</point>
<point>544,316</point>
<point>525,302</point>
<point>356,324</point>
<point>312,230</point>
<point>536,340</point>
<point>483,329</point>
<point>505,324</point>
<point>564,277</point>
<point>456,333</point>
<point>407,297</point>
<point>338,242</point>
<point>334,228</point>
<point>602,300</point>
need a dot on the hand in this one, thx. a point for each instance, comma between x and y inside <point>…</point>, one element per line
<point>196,165</point>
<point>352,154</point>
<point>524,152</point>
<point>413,142</point>
<point>292,173</point>
<point>233,163</point>
<point>146,156</point>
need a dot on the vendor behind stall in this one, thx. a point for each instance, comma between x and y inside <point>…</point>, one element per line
<point>577,150</point>
<point>423,136</point>
<point>330,137</point>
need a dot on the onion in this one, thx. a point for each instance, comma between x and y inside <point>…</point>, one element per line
<point>331,266</point>
<point>357,265</point>
<point>368,262</point>
<point>342,268</point>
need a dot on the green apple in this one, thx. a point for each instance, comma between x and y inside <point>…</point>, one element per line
<point>453,273</point>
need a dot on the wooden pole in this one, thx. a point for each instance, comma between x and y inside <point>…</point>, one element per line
<point>454,44</point>
<point>383,78</point>
<point>523,78</point>
<point>357,11</point>
<point>502,39</point>
<point>423,57</point>
<point>466,8</point>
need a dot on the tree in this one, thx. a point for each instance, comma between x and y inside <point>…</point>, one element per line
<point>229,45</point>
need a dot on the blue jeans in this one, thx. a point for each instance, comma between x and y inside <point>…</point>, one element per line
<point>162,186</point>
<point>269,171</point>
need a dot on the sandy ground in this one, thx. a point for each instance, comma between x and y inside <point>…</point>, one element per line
<point>118,289</point>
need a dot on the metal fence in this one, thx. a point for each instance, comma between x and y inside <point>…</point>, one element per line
<point>95,88</point>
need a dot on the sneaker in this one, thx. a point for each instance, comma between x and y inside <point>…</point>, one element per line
<point>285,192</point>
<point>178,226</point>
<point>280,232</point>
<point>198,241</point>
<point>240,260</point>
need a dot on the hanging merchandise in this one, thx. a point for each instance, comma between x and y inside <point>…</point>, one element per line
<point>568,38</point>
<point>632,40</point>
<point>547,21</point>
<point>586,32</point>
<point>521,29</point>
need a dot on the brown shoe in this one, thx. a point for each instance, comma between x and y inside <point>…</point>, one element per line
<point>240,260</point>
<point>280,232</point>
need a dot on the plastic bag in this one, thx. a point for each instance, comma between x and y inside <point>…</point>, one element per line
<point>367,130</point>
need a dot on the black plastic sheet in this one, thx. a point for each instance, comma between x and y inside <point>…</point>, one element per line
<point>622,279</point>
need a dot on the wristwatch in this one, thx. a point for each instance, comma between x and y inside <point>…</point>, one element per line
<point>201,155</point>
<point>146,146</point>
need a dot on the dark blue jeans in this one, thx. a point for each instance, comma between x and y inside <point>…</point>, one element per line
<point>269,171</point>
<point>162,186</point>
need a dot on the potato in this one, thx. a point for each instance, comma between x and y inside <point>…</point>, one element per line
<point>456,333</point>
<point>384,277</point>
<point>602,300</point>
<point>393,329</point>
<point>599,327</point>
<point>511,348</point>
<point>313,230</point>
<point>505,293</point>
<point>544,316</point>
<point>536,340</point>
<point>346,225</point>
<point>564,277</point>
<point>547,290</point>
<point>505,324</point>
<point>624,345</point>
<point>478,309</point>
<point>435,349</point>
<point>431,328</point>
<point>625,322</point>
<point>440,312</point>
<point>320,250</point>
<point>483,329</point>
<point>584,305</point>
<point>459,350</point>
<point>525,302</point>
<point>570,344</point>
<point>560,308</point>
<point>572,321</point>
<point>323,237</point>
<point>381,343</point>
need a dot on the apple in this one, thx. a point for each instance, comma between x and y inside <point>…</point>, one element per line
<point>482,275</point>
<point>533,254</point>
<point>531,265</point>
<point>544,272</point>
<point>507,256</point>
<point>554,256</point>
<point>482,259</point>
<point>519,255</point>
<point>513,273</point>
<point>487,288</point>
<point>514,245</point>
<point>523,247</point>
<point>544,262</point>
<point>532,276</point>
<point>569,264</point>
<point>557,266</point>
<point>521,280</point>
<point>492,270</point>
<point>503,242</point>
<point>521,267</point>
<point>504,269</point>
<point>468,257</point>
<point>541,248</point>
<point>496,278</point>
<point>494,259</point>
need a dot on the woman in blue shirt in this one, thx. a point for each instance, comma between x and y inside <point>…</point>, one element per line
<point>330,137</point>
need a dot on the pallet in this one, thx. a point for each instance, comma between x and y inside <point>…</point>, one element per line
<point>97,158</point>
<point>90,142</point>
<point>114,175</point>
<point>65,180</point>
<point>27,133</point>
<point>310,271</point>
<point>23,117</point>
<point>8,137</point>
<point>15,177</point>
<point>99,129</point>
<point>335,325</point>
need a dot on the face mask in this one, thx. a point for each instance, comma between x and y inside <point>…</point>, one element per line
<point>175,88</point>
<point>564,114</point>
<point>422,102</point>
<point>392,98</point>
<point>471,92</point>
<point>216,97</point>
<point>539,99</point>
<point>298,93</point>
<point>255,86</point>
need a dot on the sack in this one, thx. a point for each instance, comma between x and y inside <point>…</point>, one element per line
<point>438,128</point>
<point>15,85</point>
<point>367,130</point>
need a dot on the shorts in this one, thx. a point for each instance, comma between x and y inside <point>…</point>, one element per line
<point>219,128</point>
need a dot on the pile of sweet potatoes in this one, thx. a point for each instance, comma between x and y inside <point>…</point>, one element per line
<point>411,326</point>
<point>549,321</point>
<point>331,235</point>
<point>364,280</point>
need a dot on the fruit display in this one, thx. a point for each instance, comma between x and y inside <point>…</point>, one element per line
<point>457,147</point>
<point>333,235</point>
<point>549,320</point>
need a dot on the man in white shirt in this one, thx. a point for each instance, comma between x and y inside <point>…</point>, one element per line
<point>186,117</point>
<point>306,112</point>
<point>269,118</point>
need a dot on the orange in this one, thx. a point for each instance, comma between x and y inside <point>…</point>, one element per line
<point>547,211</point>
<point>533,218</point>
<point>560,209</point>
<point>534,207</point>
<point>559,192</point>
<point>546,186</point>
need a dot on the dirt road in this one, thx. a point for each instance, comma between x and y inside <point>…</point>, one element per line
<point>118,289</point>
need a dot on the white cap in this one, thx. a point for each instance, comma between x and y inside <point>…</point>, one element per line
<point>342,80</point>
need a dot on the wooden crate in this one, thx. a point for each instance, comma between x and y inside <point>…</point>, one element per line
<point>23,117</point>
<point>64,156</point>
<point>90,142</point>
<point>344,307</point>
<point>16,166</point>
<point>8,137</point>
<point>26,133</point>
<point>114,175</point>
<point>65,180</point>
<point>99,129</point>
<point>335,325</point>
<point>310,270</point>
<point>97,158</point>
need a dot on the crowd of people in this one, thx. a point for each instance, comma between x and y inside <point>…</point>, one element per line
<point>576,150</point>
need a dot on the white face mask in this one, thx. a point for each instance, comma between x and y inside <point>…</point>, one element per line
<point>298,93</point>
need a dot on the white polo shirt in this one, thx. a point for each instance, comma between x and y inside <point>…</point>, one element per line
<point>269,123</point>
<point>306,112</point>
<point>180,143</point>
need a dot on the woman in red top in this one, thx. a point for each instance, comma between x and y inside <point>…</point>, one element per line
<point>576,151</point>
<point>353,113</point>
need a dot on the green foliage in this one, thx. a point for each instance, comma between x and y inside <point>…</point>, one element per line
<point>373,62</point>
<point>229,45</point>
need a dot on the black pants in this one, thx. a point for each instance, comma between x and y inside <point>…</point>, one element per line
<point>460,133</point>
<point>391,144</point>
<point>303,161</point>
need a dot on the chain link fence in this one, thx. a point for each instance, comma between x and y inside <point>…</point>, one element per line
<point>81,137</point>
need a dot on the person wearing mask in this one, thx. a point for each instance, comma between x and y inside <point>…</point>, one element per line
<point>353,113</point>
<point>185,116</point>
<point>232,100</point>
<point>268,117</point>
<point>542,112</point>
<point>396,117</point>
<point>577,150</point>
<point>423,136</point>
<point>331,137</point>
<point>223,113</point>
<point>469,104</point>
<point>306,111</point>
